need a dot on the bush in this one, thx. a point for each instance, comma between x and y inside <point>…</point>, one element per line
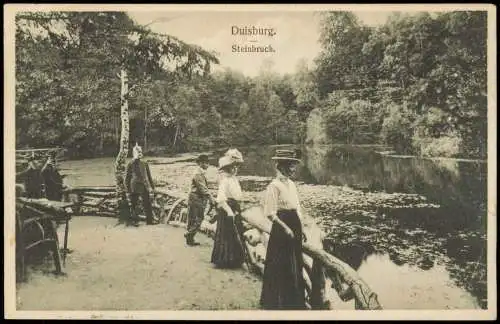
<point>444,146</point>
<point>397,128</point>
<point>435,136</point>
<point>352,122</point>
<point>198,144</point>
<point>158,151</point>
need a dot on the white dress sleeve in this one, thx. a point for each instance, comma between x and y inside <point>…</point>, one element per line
<point>271,201</point>
<point>294,199</point>
<point>221,193</point>
<point>235,189</point>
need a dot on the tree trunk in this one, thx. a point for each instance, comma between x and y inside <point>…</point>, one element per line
<point>145,129</point>
<point>101,144</point>
<point>116,122</point>
<point>175,137</point>
<point>123,208</point>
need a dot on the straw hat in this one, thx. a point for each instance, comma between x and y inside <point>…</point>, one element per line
<point>225,161</point>
<point>287,155</point>
<point>235,155</point>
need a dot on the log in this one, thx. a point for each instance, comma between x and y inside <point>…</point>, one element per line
<point>260,252</point>
<point>307,281</point>
<point>252,236</point>
<point>167,193</point>
<point>47,206</point>
<point>91,203</point>
<point>108,213</point>
<point>367,298</point>
<point>99,194</point>
<point>87,189</point>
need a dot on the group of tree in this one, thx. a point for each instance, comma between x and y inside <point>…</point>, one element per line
<point>417,82</point>
<point>68,89</point>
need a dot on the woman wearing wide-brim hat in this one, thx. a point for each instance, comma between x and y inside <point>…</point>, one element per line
<point>228,251</point>
<point>283,285</point>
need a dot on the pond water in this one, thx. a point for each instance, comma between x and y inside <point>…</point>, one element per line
<point>439,252</point>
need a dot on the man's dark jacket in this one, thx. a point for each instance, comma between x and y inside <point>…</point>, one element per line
<point>138,177</point>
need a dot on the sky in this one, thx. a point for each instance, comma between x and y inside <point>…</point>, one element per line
<point>296,34</point>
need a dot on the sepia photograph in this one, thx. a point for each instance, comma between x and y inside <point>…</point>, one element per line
<point>229,161</point>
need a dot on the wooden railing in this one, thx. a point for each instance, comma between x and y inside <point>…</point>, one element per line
<point>320,267</point>
<point>39,154</point>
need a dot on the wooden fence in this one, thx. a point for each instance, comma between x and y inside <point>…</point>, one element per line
<point>39,154</point>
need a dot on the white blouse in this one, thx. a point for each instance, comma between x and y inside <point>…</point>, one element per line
<point>229,187</point>
<point>281,193</point>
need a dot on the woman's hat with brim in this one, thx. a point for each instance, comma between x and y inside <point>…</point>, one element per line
<point>287,155</point>
<point>235,155</point>
<point>225,162</point>
<point>231,157</point>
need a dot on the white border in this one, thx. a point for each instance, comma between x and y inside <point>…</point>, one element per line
<point>9,171</point>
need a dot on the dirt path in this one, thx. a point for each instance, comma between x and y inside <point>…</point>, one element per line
<point>145,268</point>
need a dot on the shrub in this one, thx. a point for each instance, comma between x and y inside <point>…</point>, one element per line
<point>444,146</point>
<point>397,127</point>
<point>435,136</point>
<point>353,122</point>
<point>198,144</point>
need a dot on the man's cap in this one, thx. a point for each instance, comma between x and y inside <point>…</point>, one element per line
<point>203,158</point>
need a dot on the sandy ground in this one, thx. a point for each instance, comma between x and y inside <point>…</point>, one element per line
<point>145,268</point>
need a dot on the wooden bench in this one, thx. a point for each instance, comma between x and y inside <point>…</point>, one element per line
<point>36,226</point>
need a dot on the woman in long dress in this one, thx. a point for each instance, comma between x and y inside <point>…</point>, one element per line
<point>228,251</point>
<point>283,284</point>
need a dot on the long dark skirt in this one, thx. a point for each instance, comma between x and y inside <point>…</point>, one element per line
<point>228,250</point>
<point>283,284</point>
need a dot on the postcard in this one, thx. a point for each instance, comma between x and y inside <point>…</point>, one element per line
<point>250,161</point>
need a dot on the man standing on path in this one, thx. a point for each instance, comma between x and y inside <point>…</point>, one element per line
<point>139,182</point>
<point>199,195</point>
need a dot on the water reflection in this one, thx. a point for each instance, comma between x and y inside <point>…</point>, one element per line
<point>415,288</point>
<point>448,182</point>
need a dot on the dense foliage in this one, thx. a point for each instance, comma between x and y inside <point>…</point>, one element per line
<point>418,83</point>
<point>67,75</point>
<point>428,74</point>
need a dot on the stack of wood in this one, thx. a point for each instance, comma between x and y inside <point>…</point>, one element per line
<point>93,200</point>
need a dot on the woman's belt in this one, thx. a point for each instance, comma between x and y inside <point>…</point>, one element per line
<point>287,209</point>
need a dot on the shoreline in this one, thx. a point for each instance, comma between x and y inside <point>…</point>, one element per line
<point>389,152</point>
